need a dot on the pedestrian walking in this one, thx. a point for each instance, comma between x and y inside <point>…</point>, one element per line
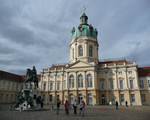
<point>58,106</point>
<point>116,105</point>
<point>82,107</point>
<point>41,102</point>
<point>75,106</point>
<point>67,107</point>
<point>126,103</point>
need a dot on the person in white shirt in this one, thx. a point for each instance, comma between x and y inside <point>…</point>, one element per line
<point>75,106</point>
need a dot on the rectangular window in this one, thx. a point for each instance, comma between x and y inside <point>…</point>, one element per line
<point>149,83</point>
<point>142,84</point>
<point>111,84</point>
<point>102,85</point>
<point>132,98</point>
<point>44,86</point>
<point>120,72</point>
<point>50,98</point>
<point>131,84</point>
<point>121,84</point>
<point>51,86</point>
<point>122,97</point>
<point>58,85</point>
<point>129,72</point>
<point>143,97</point>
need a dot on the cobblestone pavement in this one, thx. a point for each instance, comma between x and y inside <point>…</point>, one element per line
<point>91,113</point>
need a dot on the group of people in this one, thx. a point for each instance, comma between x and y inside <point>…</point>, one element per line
<point>68,106</point>
<point>126,103</point>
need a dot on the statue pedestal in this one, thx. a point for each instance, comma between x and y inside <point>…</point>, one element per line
<point>29,95</point>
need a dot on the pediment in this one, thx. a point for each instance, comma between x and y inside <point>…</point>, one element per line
<point>80,64</point>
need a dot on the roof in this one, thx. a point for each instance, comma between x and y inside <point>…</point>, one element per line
<point>144,71</point>
<point>55,66</point>
<point>11,76</point>
<point>84,29</point>
<point>115,61</point>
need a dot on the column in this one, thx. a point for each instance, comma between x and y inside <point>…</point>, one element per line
<point>67,83</point>
<point>48,87</point>
<point>126,77</point>
<point>86,50</point>
<point>76,51</point>
<point>127,95</point>
<point>85,86</point>
<point>76,80</point>
<point>117,95</point>
<point>55,85</point>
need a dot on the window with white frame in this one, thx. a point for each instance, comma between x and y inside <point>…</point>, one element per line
<point>58,85</point>
<point>80,81</point>
<point>44,85</point>
<point>131,84</point>
<point>91,51</point>
<point>143,98</point>
<point>129,72</point>
<point>111,83</point>
<point>102,84</point>
<point>89,80</point>
<point>122,97</point>
<point>71,81</point>
<point>120,72</point>
<point>132,97</point>
<point>51,86</point>
<point>80,50</point>
<point>142,84</point>
<point>121,84</point>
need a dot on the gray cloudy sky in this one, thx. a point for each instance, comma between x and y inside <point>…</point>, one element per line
<point>37,32</point>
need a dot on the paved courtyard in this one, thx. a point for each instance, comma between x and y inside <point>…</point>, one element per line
<point>92,113</point>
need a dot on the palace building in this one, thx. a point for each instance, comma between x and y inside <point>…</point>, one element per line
<point>97,82</point>
<point>10,85</point>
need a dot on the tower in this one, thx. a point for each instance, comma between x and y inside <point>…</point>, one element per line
<point>84,44</point>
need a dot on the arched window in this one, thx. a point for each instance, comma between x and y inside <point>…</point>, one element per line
<point>80,81</point>
<point>89,80</point>
<point>80,50</point>
<point>91,51</point>
<point>71,81</point>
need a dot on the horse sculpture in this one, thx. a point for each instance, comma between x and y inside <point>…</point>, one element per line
<point>31,76</point>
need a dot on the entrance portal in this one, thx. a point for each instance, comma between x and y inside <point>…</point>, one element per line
<point>103,99</point>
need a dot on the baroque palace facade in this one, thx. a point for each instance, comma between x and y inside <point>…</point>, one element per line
<point>96,81</point>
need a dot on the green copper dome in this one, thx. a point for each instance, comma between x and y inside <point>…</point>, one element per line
<point>84,29</point>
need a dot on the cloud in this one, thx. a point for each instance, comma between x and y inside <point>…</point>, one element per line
<point>38,33</point>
